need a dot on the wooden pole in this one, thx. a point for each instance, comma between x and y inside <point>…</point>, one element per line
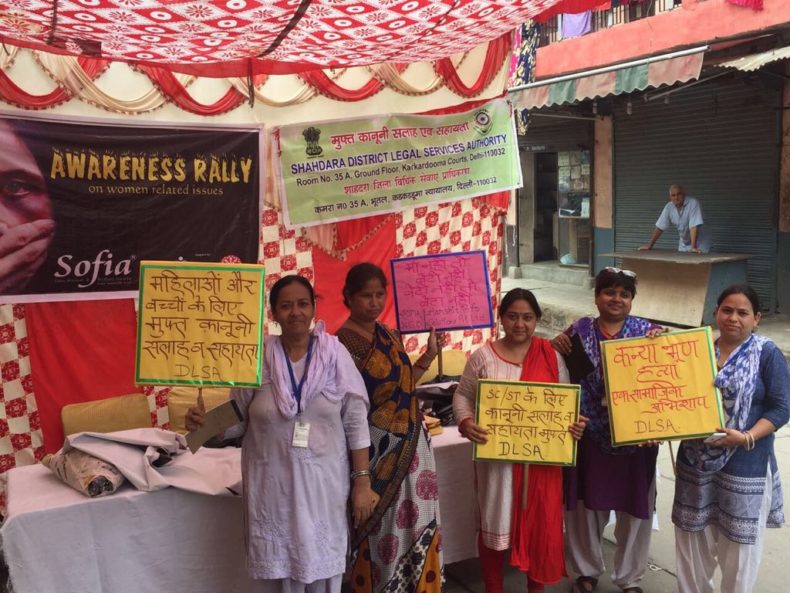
<point>201,404</point>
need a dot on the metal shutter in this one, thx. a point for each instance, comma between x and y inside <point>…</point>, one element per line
<point>720,140</point>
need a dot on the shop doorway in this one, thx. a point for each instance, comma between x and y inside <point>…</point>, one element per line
<point>546,186</point>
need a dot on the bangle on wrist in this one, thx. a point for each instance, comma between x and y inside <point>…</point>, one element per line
<point>749,440</point>
<point>461,426</point>
<point>359,473</point>
<point>421,365</point>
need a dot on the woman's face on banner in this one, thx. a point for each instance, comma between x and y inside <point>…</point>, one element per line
<point>23,192</point>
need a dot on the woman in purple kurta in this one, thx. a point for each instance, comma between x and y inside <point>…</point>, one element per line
<point>607,478</point>
<point>297,432</point>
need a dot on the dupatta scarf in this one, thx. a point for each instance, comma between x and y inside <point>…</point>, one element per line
<point>593,387</point>
<point>393,418</point>
<point>536,530</point>
<point>736,380</point>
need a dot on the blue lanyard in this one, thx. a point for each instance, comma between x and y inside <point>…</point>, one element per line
<point>298,388</point>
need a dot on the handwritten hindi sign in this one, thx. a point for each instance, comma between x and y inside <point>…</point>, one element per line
<point>662,388</point>
<point>200,324</point>
<point>343,169</point>
<point>527,422</point>
<point>446,291</point>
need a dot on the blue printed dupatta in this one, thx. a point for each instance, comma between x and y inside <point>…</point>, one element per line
<point>736,381</point>
<point>726,486</point>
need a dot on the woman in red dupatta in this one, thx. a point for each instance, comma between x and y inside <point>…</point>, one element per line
<point>530,525</point>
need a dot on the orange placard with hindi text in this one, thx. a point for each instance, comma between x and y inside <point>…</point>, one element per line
<point>662,388</point>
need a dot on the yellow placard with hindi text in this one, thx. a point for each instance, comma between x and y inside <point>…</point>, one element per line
<point>200,324</point>
<point>662,388</point>
<point>527,422</point>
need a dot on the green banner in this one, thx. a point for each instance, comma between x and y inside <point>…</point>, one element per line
<point>337,170</point>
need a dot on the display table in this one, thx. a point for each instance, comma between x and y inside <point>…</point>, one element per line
<point>457,501</point>
<point>56,540</point>
<point>681,288</point>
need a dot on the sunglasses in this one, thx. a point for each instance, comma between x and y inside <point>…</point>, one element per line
<point>614,270</point>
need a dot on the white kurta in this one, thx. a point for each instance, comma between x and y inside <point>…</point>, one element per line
<point>296,498</point>
<point>493,479</point>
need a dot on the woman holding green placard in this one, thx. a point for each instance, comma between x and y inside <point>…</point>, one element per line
<point>607,478</point>
<point>532,531</point>
<point>304,451</point>
<point>727,490</point>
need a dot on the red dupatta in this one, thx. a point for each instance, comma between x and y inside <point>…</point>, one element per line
<point>536,530</point>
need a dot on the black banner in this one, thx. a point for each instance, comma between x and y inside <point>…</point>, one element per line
<point>82,204</point>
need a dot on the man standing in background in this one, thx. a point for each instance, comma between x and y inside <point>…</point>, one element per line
<point>685,213</point>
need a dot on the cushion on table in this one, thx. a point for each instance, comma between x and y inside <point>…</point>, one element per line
<point>107,415</point>
<point>453,363</point>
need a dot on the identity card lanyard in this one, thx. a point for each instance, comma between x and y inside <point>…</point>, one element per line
<point>301,429</point>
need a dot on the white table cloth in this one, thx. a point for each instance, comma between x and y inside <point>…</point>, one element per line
<point>457,501</point>
<point>56,540</point>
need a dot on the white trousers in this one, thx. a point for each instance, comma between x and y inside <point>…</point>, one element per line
<point>584,539</point>
<point>698,554</point>
<point>330,585</point>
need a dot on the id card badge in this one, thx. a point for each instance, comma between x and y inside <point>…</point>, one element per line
<point>301,434</point>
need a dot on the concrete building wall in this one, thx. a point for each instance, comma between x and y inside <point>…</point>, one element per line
<point>695,22</point>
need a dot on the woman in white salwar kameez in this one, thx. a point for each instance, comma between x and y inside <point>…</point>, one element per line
<point>529,524</point>
<point>298,429</point>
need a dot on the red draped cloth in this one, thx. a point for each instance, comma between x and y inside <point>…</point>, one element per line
<point>536,531</point>
<point>79,351</point>
<point>330,275</point>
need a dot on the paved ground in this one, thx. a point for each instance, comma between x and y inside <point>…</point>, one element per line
<point>562,304</point>
<point>660,577</point>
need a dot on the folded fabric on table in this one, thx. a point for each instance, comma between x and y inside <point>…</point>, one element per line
<point>85,473</point>
<point>153,459</point>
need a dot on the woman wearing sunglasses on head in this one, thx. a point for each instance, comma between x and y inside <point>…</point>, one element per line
<point>607,478</point>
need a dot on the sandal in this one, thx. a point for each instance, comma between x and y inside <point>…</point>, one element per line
<point>585,585</point>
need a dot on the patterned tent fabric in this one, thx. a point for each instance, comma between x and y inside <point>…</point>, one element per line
<point>78,78</point>
<point>244,37</point>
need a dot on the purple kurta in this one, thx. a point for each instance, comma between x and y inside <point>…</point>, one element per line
<point>607,478</point>
<point>296,498</point>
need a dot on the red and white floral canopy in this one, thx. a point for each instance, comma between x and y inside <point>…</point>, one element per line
<point>243,37</point>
